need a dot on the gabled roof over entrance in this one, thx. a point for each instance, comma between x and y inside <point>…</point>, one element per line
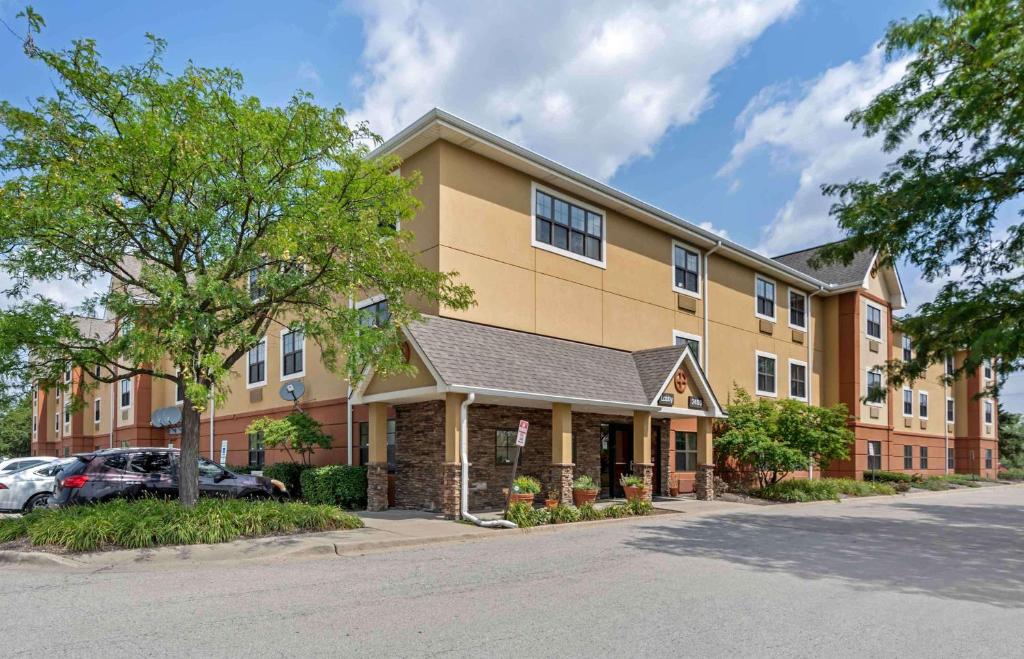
<point>468,357</point>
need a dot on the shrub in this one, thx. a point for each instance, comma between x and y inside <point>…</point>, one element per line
<point>563,514</point>
<point>584,482</point>
<point>289,473</point>
<point>297,432</point>
<point>640,507</point>
<point>588,513</point>
<point>520,514</point>
<point>338,485</point>
<point>154,522</point>
<point>615,511</point>
<point>241,469</point>
<point>880,476</point>
<point>854,488</point>
<point>526,485</point>
<point>825,489</point>
<point>1012,475</point>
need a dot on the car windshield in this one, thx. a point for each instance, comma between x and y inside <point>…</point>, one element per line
<point>21,466</point>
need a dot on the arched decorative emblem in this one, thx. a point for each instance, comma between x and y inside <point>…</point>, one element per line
<point>680,381</point>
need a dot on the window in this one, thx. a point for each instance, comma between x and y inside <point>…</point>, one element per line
<point>797,379</point>
<point>67,374</point>
<point>950,365</point>
<point>875,391</point>
<point>256,375</point>
<point>208,469</point>
<point>691,341</point>
<point>67,416</point>
<point>686,451</point>
<point>56,422</point>
<point>364,443</point>
<point>126,393</point>
<point>950,459</point>
<point>391,444</point>
<point>797,310</point>
<point>988,412</point>
<point>374,312</point>
<point>35,424</point>
<point>988,370</point>
<point>293,363</point>
<point>118,461</point>
<point>96,371</point>
<point>923,457</point>
<point>874,327</point>
<point>950,410</point>
<point>908,457</point>
<point>988,458</point>
<point>687,269</point>
<point>504,446</point>
<point>908,402</point>
<point>765,374</point>
<point>923,404</point>
<point>874,456</point>
<point>765,293</point>
<point>179,388</point>
<point>907,352</point>
<point>255,290</point>
<point>256,452</point>
<point>568,227</point>
<point>155,462</point>
<point>96,411</point>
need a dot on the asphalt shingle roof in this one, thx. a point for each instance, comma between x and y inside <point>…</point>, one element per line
<point>480,356</point>
<point>836,274</point>
<point>95,328</point>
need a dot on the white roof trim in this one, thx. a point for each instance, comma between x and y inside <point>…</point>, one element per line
<point>702,383</point>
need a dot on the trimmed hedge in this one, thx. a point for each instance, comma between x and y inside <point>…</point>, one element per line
<point>879,476</point>
<point>289,473</point>
<point>826,489</point>
<point>338,485</point>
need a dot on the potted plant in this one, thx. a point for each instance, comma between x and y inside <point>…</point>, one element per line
<point>524,488</point>
<point>633,485</point>
<point>584,490</point>
<point>552,499</point>
<point>673,489</point>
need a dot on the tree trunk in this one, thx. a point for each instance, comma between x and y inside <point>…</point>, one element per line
<point>188,465</point>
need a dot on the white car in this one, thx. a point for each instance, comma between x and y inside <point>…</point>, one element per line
<point>17,464</point>
<point>28,489</point>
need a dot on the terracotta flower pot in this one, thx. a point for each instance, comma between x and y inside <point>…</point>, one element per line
<point>580,497</point>
<point>633,492</point>
<point>521,497</point>
<point>551,503</point>
<point>673,491</point>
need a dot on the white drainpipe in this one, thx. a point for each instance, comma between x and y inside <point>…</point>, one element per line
<point>213,413</point>
<point>113,411</point>
<point>464,447</point>
<point>945,422</point>
<point>348,408</point>
<point>706,339</point>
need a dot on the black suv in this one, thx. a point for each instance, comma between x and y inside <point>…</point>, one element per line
<point>135,472</point>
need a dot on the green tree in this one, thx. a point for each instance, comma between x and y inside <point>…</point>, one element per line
<point>956,117</point>
<point>214,216</point>
<point>1011,439</point>
<point>15,426</point>
<point>774,438</point>
<point>297,432</point>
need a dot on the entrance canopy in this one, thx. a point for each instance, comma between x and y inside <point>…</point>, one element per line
<point>507,367</point>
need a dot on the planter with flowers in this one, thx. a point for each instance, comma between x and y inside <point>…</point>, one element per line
<point>633,485</point>
<point>584,490</point>
<point>524,488</point>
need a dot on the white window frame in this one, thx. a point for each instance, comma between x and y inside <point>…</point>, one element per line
<point>881,322</point>
<point>266,364</point>
<point>603,262</point>
<point>68,373</point>
<point>299,374</point>
<point>97,406</point>
<point>67,416</point>
<point>700,269</point>
<point>906,346</point>
<point>986,369</point>
<point>807,380</point>
<point>881,380</point>
<point>950,410</point>
<point>56,422</point>
<point>775,304</point>
<point>679,334</point>
<point>370,301</point>
<point>988,412</point>
<point>248,282</point>
<point>923,396</point>
<point>903,403</point>
<point>775,359</point>
<point>120,394</point>
<point>789,303</point>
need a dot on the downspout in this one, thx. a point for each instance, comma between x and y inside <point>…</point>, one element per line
<point>113,410</point>
<point>810,366</point>
<point>705,300</point>
<point>464,449</point>
<point>945,422</point>
<point>348,408</point>
<point>213,413</point>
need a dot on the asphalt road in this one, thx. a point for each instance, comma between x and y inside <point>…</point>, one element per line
<point>934,575</point>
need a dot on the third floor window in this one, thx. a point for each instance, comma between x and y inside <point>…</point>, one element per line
<point>687,269</point>
<point>765,290</point>
<point>569,227</point>
<point>874,327</point>
<point>907,351</point>
<point>257,373</point>
<point>292,347</point>
<point>797,310</point>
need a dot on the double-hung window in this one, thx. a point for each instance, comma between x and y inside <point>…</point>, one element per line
<point>126,393</point>
<point>765,374</point>
<point>950,365</point>
<point>797,310</point>
<point>691,341</point>
<point>908,456</point>
<point>797,380</point>
<point>988,412</point>
<point>96,405</point>
<point>907,351</point>
<point>67,416</point>
<point>874,456</point>
<point>293,362</point>
<point>257,454</point>
<point>950,459</point>
<point>764,290</point>
<point>568,227</point>
<point>179,389</point>
<point>874,326</point>
<point>908,402</point>
<point>374,312</point>
<point>256,291</point>
<point>504,446</point>
<point>686,451</point>
<point>988,369</point>
<point>922,404</point>
<point>988,458</point>
<point>686,262</point>
<point>950,410</point>
<point>923,459</point>
<point>256,373</point>
<point>874,393</point>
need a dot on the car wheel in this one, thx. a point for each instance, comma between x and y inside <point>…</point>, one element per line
<point>36,502</point>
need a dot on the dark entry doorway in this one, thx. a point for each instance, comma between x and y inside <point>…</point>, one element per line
<point>617,457</point>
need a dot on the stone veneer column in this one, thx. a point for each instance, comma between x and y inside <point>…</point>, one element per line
<point>704,482</point>
<point>646,472</point>
<point>451,490</point>
<point>451,470</point>
<point>377,464</point>
<point>376,486</point>
<point>561,451</point>
<point>561,480</point>
<point>704,479</point>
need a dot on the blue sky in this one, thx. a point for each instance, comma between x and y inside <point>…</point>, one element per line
<point>724,113</point>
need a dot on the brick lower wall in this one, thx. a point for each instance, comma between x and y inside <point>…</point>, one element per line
<point>419,455</point>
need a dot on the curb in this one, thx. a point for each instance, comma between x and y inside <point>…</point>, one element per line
<point>37,558</point>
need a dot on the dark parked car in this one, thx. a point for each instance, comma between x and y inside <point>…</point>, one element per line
<point>134,472</point>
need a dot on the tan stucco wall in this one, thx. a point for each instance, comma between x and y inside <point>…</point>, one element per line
<point>421,377</point>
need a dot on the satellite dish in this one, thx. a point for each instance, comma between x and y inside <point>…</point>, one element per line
<point>292,391</point>
<point>158,417</point>
<point>173,416</point>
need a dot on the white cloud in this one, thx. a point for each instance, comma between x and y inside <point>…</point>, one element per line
<point>807,131</point>
<point>308,73</point>
<point>593,86</point>
<point>721,233</point>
